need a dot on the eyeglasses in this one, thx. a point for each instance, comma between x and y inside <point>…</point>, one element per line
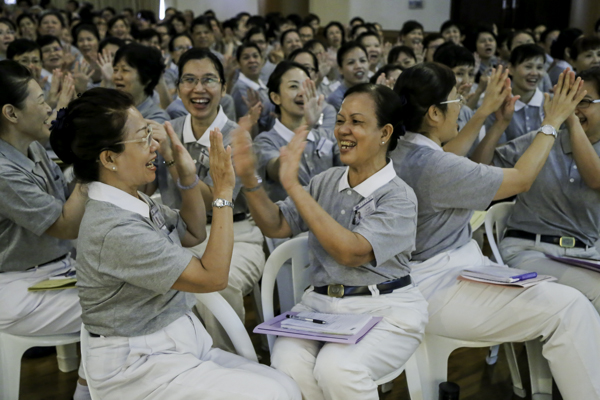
<point>460,100</point>
<point>48,50</point>
<point>182,48</point>
<point>208,82</point>
<point>146,140</point>
<point>585,103</point>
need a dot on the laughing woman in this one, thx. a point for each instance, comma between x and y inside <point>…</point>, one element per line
<point>367,251</point>
<point>353,62</point>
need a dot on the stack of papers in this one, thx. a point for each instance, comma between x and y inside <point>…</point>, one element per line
<point>504,276</point>
<point>54,284</point>
<point>586,263</point>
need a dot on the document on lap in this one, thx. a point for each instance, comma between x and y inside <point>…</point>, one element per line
<point>586,263</point>
<point>504,276</point>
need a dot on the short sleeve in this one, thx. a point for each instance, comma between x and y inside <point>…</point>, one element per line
<point>507,155</point>
<point>238,93</point>
<point>26,204</point>
<point>288,208</point>
<point>392,228</point>
<point>136,253</point>
<point>457,182</point>
<point>266,149</point>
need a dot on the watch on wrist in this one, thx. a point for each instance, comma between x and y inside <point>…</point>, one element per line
<point>548,130</point>
<point>256,187</point>
<point>220,203</point>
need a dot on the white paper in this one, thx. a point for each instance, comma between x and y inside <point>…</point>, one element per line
<point>336,324</point>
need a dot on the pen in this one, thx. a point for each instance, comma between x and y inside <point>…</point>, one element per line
<point>314,321</point>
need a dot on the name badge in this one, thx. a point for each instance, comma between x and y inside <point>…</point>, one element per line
<point>203,159</point>
<point>324,147</point>
<point>363,209</point>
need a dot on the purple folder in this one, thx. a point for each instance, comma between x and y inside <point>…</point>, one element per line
<point>273,327</point>
<point>593,265</point>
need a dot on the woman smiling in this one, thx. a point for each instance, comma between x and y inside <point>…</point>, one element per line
<point>353,62</point>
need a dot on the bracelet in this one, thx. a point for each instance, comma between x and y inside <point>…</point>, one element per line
<point>193,185</point>
<point>169,163</point>
<point>255,188</point>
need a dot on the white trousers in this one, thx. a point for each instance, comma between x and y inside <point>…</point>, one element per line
<point>38,313</point>
<point>247,265</point>
<point>177,362</point>
<point>529,255</point>
<point>347,372</point>
<point>559,315</point>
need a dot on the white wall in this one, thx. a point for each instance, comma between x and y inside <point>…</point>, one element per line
<point>224,9</point>
<point>390,13</point>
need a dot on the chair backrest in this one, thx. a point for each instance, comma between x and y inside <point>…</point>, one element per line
<point>295,249</point>
<point>496,217</point>
<point>84,343</point>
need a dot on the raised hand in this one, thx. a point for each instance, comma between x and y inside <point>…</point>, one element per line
<point>54,93</point>
<point>383,80</point>
<point>221,168</point>
<point>67,91</point>
<point>82,75</point>
<point>276,55</point>
<point>289,158</point>
<point>184,163</point>
<point>252,116</point>
<point>505,113</point>
<point>567,95</point>
<point>105,61</point>
<point>244,160</point>
<point>313,103</point>
<point>324,65</point>
<point>252,98</point>
<point>68,57</point>
<point>498,89</point>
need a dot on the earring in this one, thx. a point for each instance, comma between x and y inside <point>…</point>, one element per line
<point>382,143</point>
<point>114,168</point>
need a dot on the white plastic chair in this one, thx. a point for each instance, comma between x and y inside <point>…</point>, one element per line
<point>12,348</point>
<point>296,249</point>
<point>496,217</point>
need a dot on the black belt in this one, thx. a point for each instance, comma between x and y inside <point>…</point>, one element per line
<point>57,259</point>
<point>236,218</point>
<point>93,334</point>
<point>343,290</point>
<point>562,241</point>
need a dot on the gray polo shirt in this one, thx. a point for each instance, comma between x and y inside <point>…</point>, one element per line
<point>33,191</point>
<point>449,189</point>
<point>240,91</point>
<point>199,150</point>
<point>559,202</point>
<point>336,98</point>
<point>266,71</point>
<point>321,153</point>
<point>150,110</point>
<point>526,118</point>
<point>383,209</point>
<point>129,257</point>
<point>176,109</point>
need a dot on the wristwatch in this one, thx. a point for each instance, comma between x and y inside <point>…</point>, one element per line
<point>220,203</point>
<point>548,130</point>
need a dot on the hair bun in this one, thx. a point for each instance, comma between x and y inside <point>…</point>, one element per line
<point>62,137</point>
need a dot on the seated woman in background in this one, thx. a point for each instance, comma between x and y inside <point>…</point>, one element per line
<point>584,53</point>
<point>366,251</point>
<point>403,56</point>
<point>451,32</point>
<point>326,84</point>
<point>297,103</point>
<point>335,36</point>
<point>411,36</point>
<point>258,36</point>
<point>39,214</point>
<point>372,43</point>
<point>26,25</point>
<point>7,35</point>
<point>449,188</point>
<point>134,277</point>
<point>86,39</point>
<point>559,214</point>
<point>290,41</point>
<point>119,27</point>
<point>353,62</point>
<point>136,71</point>
<point>387,75</point>
<point>560,52</point>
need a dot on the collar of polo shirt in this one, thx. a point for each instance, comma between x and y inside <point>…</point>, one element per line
<point>372,183</point>
<point>536,101</point>
<point>188,133</point>
<point>102,192</point>
<point>287,134</point>
<point>251,84</point>
<point>420,140</point>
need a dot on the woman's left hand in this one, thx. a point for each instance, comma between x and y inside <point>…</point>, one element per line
<point>313,103</point>
<point>504,114</point>
<point>183,161</point>
<point>67,92</point>
<point>289,158</point>
<point>82,75</point>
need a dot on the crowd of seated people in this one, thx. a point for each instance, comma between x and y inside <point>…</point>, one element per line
<point>185,142</point>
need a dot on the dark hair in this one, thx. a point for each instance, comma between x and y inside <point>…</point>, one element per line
<point>148,62</point>
<point>57,14</point>
<point>21,46</point>
<point>14,80</point>
<point>359,19</point>
<point>275,78</point>
<point>312,43</point>
<point>346,48</point>
<point>180,18</point>
<point>423,86</point>
<point>386,69</point>
<point>514,34</point>
<point>110,40</point>
<point>449,24</point>
<point>244,46</point>
<point>471,39</point>
<point>114,20</point>
<point>526,52</point>
<point>340,27</point>
<point>410,26</point>
<point>545,34</point>
<point>177,36</point>
<point>591,75</point>
<point>91,124</point>
<point>201,54</point>
<point>305,51</point>
<point>295,19</point>
<point>147,15</point>
<point>112,10</point>
<point>310,18</point>
<point>355,29</point>
<point>84,27</point>
<point>366,34</point>
<point>147,34</point>
<point>388,108</point>
<point>430,38</point>
<point>45,40</point>
<point>307,26</point>
<point>395,52</point>
<point>201,20</point>
<point>284,34</point>
<point>597,25</point>
<point>257,21</point>
<point>582,44</point>
<point>255,31</point>
<point>25,16</point>
<point>453,55</point>
<point>564,40</point>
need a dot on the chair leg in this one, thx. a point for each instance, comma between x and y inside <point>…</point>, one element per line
<point>492,356</point>
<point>515,375</point>
<point>10,364</point>
<point>387,387</point>
<point>541,376</point>
<point>417,373</point>
<point>438,351</point>
<point>67,358</point>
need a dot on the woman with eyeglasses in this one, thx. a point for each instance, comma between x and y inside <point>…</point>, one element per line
<point>135,277</point>
<point>448,189</point>
<point>559,214</point>
<point>7,35</point>
<point>201,87</point>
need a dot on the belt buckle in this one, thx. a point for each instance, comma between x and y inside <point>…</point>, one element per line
<point>566,241</point>
<point>335,290</point>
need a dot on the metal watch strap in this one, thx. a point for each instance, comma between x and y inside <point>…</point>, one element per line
<point>220,203</point>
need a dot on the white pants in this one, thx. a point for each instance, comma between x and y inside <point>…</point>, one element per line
<point>529,255</point>
<point>561,316</point>
<point>177,362</point>
<point>38,313</point>
<point>347,372</point>
<point>247,265</point>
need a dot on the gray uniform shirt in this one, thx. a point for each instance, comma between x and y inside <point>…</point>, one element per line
<point>383,209</point>
<point>321,153</point>
<point>448,188</point>
<point>336,98</point>
<point>266,71</point>
<point>33,191</point>
<point>240,91</point>
<point>176,109</point>
<point>150,110</point>
<point>559,202</point>
<point>129,257</point>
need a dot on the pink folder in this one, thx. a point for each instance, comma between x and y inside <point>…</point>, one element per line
<point>593,265</point>
<point>273,327</point>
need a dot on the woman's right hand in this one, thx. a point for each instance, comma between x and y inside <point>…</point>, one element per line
<point>105,61</point>
<point>221,168</point>
<point>244,160</point>
<point>567,95</point>
<point>289,158</point>
<point>498,89</point>
<point>186,168</point>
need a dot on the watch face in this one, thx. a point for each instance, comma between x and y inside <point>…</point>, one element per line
<point>219,203</point>
<point>548,130</point>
